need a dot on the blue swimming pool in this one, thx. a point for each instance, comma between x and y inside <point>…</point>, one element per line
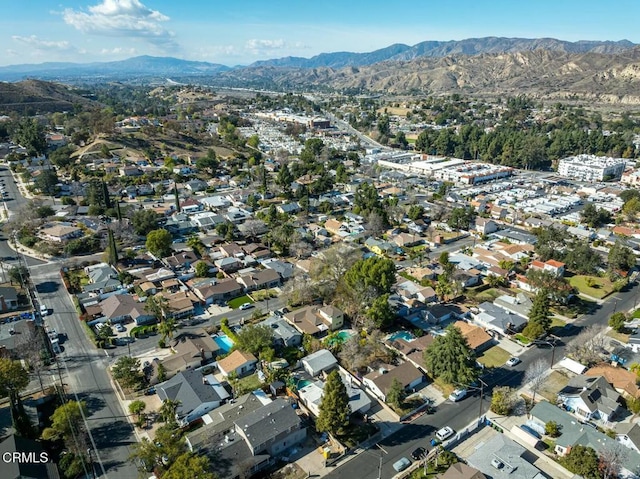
<point>302,383</point>
<point>406,335</point>
<point>339,338</point>
<point>224,342</point>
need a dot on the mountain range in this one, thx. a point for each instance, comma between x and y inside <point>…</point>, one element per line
<point>603,71</point>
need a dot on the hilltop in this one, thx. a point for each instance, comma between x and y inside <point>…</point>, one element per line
<point>33,96</point>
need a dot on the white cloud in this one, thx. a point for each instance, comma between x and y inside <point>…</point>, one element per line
<point>122,18</point>
<point>118,51</point>
<point>44,45</point>
<point>255,44</point>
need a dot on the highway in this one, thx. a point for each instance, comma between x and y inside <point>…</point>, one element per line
<point>459,415</point>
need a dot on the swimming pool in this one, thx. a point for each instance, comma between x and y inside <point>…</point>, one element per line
<point>406,335</point>
<point>224,342</point>
<point>302,383</point>
<point>340,338</point>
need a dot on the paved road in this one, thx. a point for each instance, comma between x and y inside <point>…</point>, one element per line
<point>459,415</point>
<point>84,370</point>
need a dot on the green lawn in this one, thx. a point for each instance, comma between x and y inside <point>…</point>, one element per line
<point>494,357</point>
<point>556,325</point>
<point>636,314</point>
<point>235,303</point>
<point>488,295</point>
<point>600,288</point>
<point>263,294</point>
<point>246,384</point>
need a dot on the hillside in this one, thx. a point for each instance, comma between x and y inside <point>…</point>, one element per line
<point>469,46</point>
<point>35,96</point>
<point>540,73</point>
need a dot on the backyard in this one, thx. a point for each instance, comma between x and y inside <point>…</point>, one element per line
<point>593,286</point>
<point>494,357</point>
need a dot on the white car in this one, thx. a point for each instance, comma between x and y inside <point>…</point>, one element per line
<point>43,310</point>
<point>246,306</point>
<point>513,361</point>
<point>444,433</point>
<point>458,395</point>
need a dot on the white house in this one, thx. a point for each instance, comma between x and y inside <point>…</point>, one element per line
<point>590,397</point>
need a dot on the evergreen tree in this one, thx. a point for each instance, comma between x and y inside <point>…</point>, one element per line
<point>112,249</point>
<point>177,197</point>
<point>334,408</point>
<point>539,316</point>
<point>450,358</point>
<point>396,393</point>
<point>105,195</point>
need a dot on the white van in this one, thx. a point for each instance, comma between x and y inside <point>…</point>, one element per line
<point>457,395</point>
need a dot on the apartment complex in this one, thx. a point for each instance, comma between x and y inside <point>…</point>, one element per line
<point>591,168</point>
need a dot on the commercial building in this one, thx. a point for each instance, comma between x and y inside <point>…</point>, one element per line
<point>591,168</point>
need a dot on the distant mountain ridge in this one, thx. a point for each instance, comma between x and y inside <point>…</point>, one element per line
<point>145,67</point>
<point>469,46</point>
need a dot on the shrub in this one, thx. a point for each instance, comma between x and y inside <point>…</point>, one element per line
<point>552,429</point>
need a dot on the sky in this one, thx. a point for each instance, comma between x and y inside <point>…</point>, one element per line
<point>239,32</point>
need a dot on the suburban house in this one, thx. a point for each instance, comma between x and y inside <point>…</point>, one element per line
<point>628,434</point>
<point>485,226</point>
<point>238,362</point>
<point>182,260</point>
<point>460,470</point>
<point>190,350</point>
<point>228,264</point>
<point>574,433</point>
<point>311,396</point>
<point>14,337</point>
<point>319,362</point>
<point>102,279</point>
<point>478,338</point>
<point>8,299</point>
<point>21,469</point>
<point>123,307</point>
<point>590,398</point>
<point>410,290</point>
<point>501,457</point>
<point>60,233</point>
<point>519,304</point>
<point>218,290</point>
<point>180,304</point>
<point>284,334</point>
<point>379,381</point>
<point>197,394</point>
<point>498,320</point>
<point>622,380</point>
<point>316,320</point>
<point>552,266</point>
<point>266,278</point>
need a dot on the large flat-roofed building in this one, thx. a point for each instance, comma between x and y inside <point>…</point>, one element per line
<point>591,168</point>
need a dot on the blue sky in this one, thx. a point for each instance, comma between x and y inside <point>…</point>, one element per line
<point>236,32</point>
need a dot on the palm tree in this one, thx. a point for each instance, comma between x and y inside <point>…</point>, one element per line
<point>167,327</point>
<point>168,410</point>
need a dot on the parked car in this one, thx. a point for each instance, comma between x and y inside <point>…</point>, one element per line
<point>458,395</point>
<point>244,306</point>
<point>418,453</point>
<point>44,310</point>
<point>401,464</point>
<point>444,433</point>
<point>120,328</point>
<point>513,361</point>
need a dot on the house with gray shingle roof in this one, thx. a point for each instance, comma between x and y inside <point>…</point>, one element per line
<point>197,394</point>
<point>502,458</point>
<point>590,398</point>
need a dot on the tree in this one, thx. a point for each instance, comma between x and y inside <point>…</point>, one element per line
<point>612,459</point>
<point>552,429</point>
<point>137,407</point>
<point>19,274</point>
<point>503,400</point>
<point>13,380</point>
<point>334,407</point>
<point>112,249</point>
<point>166,328</point>
<point>415,212</point>
<point>189,465</point>
<point>581,258</point>
<point>540,314</point>
<point>558,289</point>
<point>159,243</point>
<point>396,393</point>
<point>380,313</point>
<point>594,217</point>
<point>168,410</point>
<point>208,163</point>
<point>535,376</point>
<point>167,446</point>
<point>620,258</point>
<point>461,218</point>
<point>29,133</point>
<point>67,423</point>
<point>47,182</point>
<point>254,338</point>
<point>617,320</point>
<point>144,221</point>
<point>582,460</point>
<point>450,358</point>
<point>202,269</point>
<point>176,197</point>
<point>585,347</point>
<point>126,371</point>
<point>378,273</point>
